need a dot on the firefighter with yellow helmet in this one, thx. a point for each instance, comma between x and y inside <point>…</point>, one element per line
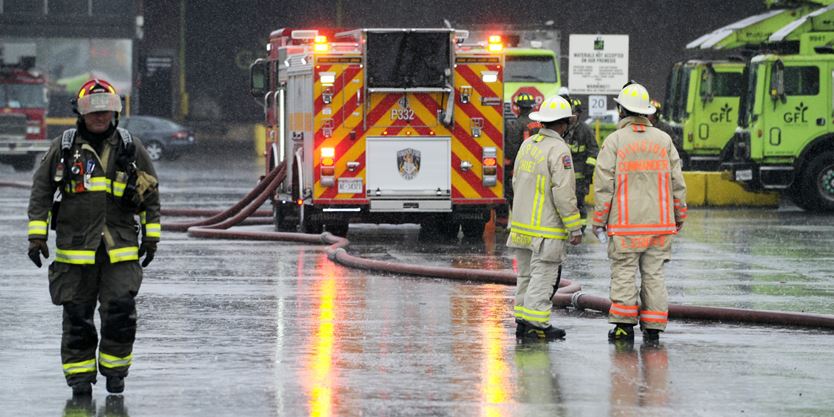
<point>640,198</point>
<point>105,180</point>
<point>518,130</point>
<point>544,219</point>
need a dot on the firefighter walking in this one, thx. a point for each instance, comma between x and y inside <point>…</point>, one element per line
<point>584,150</point>
<point>544,218</point>
<point>105,180</point>
<point>641,202</point>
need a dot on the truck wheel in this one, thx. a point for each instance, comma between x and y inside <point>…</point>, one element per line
<point>22,163</point>
<point>305,223</point>
<point>818,182</point>
<point>283,222</point>
<point>795,193</point>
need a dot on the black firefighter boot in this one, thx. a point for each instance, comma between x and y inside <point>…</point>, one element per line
<point>651,335</point>
<point>520,328</point>
<point>621,332</point>
<point>115,384</point>
<point>546,334</point>
<point>82,389</point>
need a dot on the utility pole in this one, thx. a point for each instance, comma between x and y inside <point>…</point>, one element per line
<point>183,113</point>
<point>338,13</point>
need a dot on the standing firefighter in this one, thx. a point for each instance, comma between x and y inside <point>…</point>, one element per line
<point>641,201</point>
<point>584,150</point>
<point>544,217</point>
<point>104,178</point>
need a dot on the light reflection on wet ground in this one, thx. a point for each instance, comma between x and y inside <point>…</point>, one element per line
<point>260,328</point>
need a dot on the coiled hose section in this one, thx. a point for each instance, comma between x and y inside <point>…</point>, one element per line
<point>569,293</point>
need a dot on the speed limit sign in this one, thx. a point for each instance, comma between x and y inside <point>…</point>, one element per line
<point>597,105</point>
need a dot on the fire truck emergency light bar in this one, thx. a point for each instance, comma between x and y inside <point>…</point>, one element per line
<point>304,34</point>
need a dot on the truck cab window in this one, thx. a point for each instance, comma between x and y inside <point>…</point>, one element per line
<point>530,68</point>
<point>802,81</point>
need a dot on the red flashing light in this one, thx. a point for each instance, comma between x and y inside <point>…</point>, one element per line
<point>490,162</point>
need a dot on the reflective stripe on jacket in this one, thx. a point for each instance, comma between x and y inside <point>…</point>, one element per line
<point>638,183</point>
<point>545,188</point>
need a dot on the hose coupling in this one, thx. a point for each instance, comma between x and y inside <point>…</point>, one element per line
<point>574,299</point>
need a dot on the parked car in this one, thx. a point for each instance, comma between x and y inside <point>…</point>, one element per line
<point>162,137</point>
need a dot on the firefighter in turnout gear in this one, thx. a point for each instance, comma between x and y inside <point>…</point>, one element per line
<point>583,147</point>
<point>517,131</point>
<point>641,202</point>
<point>544,219</point>
<point>105,180</point>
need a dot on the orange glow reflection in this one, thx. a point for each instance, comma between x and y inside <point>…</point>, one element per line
<point>320,369</point>
<point>495,371</point>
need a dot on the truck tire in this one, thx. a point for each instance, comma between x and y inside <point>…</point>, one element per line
<point>306,225</point>
<point>818,182</point>
<point>22,163</point>
<point>796,194</point>
<point>283,218</point>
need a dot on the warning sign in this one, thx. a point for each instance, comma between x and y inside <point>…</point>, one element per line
<point>598,64</point>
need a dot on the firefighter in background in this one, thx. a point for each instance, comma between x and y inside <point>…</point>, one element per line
<point>105,179</point>
<point>584,150</point>
<point>641,202</point>
<point>518,130</point>
<point>660,124</point>
<point>544,218</point>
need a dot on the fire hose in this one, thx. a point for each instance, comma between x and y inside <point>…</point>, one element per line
<point>569,293</point>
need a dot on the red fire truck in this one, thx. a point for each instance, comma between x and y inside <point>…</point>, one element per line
<point>383,126</point>
<point>23,104</point>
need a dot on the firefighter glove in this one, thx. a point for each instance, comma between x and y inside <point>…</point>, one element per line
<point>148,249</point>
<point>38,247</point>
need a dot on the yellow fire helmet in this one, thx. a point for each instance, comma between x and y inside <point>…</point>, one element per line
<point>635,98</point>
<point>553,109</point>
<point>97,95</point>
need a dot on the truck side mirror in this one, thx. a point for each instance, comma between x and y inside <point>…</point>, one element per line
<point>777,81</point>
<point>707,81</point>
<point>258,78</point>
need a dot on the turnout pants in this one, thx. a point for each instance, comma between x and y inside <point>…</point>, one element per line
<point>538,271</point>
<point>646,254</point>
<point>77,288</point>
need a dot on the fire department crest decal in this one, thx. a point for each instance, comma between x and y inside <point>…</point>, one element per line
<point>408,163</point>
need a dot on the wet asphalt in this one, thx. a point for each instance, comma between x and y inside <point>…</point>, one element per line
<point>237,328</point>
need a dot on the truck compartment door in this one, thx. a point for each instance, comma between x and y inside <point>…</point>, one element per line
<point>409,167</point>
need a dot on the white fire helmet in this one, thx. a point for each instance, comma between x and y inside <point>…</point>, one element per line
<point>635,98</point>
<point>553,109</point>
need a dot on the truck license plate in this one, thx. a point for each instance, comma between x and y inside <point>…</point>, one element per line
<point>350,185</point>
<point>744,175</point>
